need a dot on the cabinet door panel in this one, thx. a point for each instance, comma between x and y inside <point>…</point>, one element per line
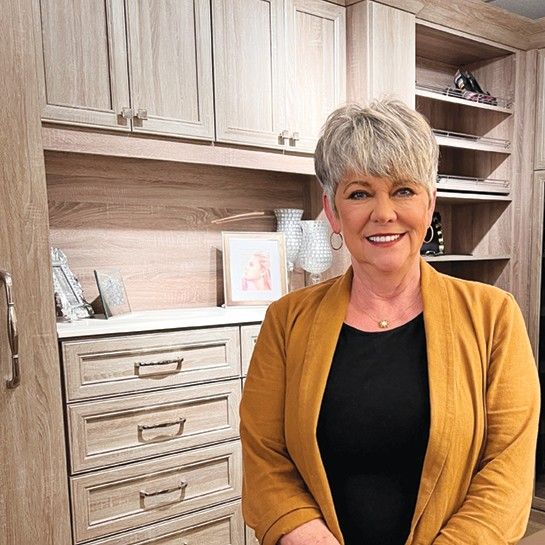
<point>316,67</point>
<point>248,71</point>
<point>84,62</point>
<point>170,58</point>
<point>539,161</point>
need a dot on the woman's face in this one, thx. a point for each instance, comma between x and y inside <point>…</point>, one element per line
<point>383,222</point>
<point>252,269</point>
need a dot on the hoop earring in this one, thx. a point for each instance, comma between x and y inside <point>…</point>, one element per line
<point>431,237</point>
<point>333,247</point>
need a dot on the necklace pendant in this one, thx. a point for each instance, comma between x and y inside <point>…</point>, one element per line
<point>383,324</point>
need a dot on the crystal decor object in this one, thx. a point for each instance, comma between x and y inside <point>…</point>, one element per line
<point>288,221</point>
<point>316,255</point>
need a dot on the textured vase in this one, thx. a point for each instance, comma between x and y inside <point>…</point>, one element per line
<point>315,256</point>
<point>289,222</point>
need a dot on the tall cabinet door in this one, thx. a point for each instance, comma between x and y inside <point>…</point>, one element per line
<point>316,67</point>
<point>249,71</point>
<point>34,492</point>
<point>83,57</point>
<point>170,60</point>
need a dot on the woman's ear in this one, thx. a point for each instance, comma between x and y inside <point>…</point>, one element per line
<point>433,198</point>
<point>331,214</point>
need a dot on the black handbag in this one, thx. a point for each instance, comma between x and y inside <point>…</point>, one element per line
<point>433,242</point>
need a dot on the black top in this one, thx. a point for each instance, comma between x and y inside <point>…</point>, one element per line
<point>373,430</point>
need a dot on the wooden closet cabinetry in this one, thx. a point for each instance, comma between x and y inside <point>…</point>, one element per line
<point>279,70</point>
<point>138,65</point>
<point>153,439</point>
<point>539,156</point>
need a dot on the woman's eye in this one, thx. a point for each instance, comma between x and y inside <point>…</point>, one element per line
<point>405,192</point>
<point>357,195</point>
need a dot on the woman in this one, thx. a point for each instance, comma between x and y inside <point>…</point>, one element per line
<point>257,273</point>
<point>392,405</point>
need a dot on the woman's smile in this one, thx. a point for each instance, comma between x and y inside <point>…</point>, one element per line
<point>384,240</point>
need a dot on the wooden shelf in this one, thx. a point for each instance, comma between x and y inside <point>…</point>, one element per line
<point>105,143</point>
<point>463,258</point>
<point>455,197</point>
<point>462,101</point>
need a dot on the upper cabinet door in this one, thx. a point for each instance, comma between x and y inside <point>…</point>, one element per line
<point>83,62</point>
<point>316,67</point>
<point>170,62</point>
<point>249,71</point>
<point>539,156</point>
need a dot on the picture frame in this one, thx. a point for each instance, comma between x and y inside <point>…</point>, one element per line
<point>69,301</point>
<point>254,267</point>
<point>112,292</point>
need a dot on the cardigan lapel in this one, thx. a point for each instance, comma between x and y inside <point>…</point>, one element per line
<point>322,341</point>
<point>441,369</point>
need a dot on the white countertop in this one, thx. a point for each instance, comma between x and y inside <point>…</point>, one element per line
<point>155,320</point>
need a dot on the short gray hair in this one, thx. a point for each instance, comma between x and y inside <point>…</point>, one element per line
<point>386,139</point>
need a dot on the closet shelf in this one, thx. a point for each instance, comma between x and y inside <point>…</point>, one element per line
<point>463,198</point>
<point>455,96</point>
<point>473,142</point>
<point>476,185</point>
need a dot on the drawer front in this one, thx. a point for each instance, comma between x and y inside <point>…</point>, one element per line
<point>248,337</point>
<point>250,537</point>
<point>124,498</point>
<point>99,367</point>
<point>129,428</point>
<point>221,525</point>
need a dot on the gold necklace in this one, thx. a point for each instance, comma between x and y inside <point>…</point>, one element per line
<point>385,324</point>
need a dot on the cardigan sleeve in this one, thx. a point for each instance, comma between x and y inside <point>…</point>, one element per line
<point>275,499</point>
<point>497,505</point>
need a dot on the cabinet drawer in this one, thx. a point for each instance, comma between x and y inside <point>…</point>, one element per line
<point>129,428</point>
<point>248,337</point>
<point>127,497</point>
<point>221,525</point>
<point>99,367</point>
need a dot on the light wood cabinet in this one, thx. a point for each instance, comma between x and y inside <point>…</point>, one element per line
<point>279,69</point>
<point>539,155</point>
<point>34,505</point>
<point>147,69</point>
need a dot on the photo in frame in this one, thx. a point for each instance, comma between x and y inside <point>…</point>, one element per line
<point>69,301</point>
<point>254,267</point>
<point>112,292</point>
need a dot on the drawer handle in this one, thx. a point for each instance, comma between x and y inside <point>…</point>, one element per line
<point>13,335</point>
<point>179,361</point>
<point>181,486</point>
<point>179,422</point>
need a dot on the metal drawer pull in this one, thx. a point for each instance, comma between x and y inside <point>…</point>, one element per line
<point>153,363</point>
<point>181,486</point>
<point>294,138</point>
<point>179,422</point>
<point>127,113</point>
<point>141,114</point>
<point>13,336</point>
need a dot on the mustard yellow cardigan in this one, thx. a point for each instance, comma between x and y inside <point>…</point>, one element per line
<point>476,484</point>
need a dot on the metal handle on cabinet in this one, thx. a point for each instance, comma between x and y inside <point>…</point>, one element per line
<point>13,336</point>
<point>294,138</point>
<point>179,422</point>
<point>152,363</point>
<point>284,135</point>
<point>181,486</point>
<point>127,113</point>
<point>142,114</point>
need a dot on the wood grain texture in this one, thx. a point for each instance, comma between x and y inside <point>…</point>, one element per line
<point>170,63</point>
<point>215,526</point>
<point>153,221</point>
<point>106,432</point>
<point>109,501</point>
<point>101,367</point>
<point>539,149</point>
<point>84,62</point>
<point>160,149</point>
<point>248,338</point>
<point>32,447</point>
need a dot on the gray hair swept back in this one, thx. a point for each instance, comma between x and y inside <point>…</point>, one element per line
<point>386,139</point>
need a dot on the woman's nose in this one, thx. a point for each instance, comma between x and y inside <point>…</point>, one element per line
<point>383,210</point>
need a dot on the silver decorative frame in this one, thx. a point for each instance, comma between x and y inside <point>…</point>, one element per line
<point>69,301</point>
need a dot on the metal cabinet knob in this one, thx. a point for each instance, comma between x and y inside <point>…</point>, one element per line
<point>142,114</point>
<point>294,138</point>
<point>127,113</point>
<point>284,135</point>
